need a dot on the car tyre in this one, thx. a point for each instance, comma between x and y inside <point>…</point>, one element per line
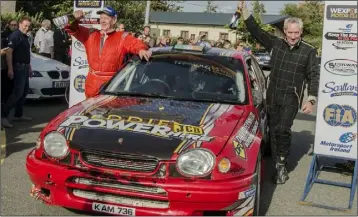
<point>258,180</point>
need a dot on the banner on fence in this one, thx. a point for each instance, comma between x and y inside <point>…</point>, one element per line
<point>79,64</point>
<point>336,128</point>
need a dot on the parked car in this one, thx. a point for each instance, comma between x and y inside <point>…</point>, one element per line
<point>49,78</point>
<point>182,134</point>
<point>264,59</point>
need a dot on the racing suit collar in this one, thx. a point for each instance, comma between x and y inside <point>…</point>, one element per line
<point>108,33</point>
<point>294,46</point>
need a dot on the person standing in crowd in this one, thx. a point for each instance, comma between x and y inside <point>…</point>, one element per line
<point>146,33</point>
<point>121,28</point>
<point>239,46</point>
<point>19,70</point>
<point>139,35</point>
<point>106,49</point>
<point>62,42</point>
<point>294,63</point>
<point>180,41</point>
<point>6,82</point>
<point>162,41</point>
<point>44,40</point>
<point>147,40</point>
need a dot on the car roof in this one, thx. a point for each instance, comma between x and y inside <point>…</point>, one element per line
<point>208,51</point>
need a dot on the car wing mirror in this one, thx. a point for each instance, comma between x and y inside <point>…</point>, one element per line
<point>257,97</point>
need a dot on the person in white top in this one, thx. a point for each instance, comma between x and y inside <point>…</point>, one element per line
<point>44,40</point>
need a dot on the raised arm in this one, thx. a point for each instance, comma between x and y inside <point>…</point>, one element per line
<point>75,29</point>
<point>263,37</point>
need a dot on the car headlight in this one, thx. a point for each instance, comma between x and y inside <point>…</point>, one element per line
<point>36,73</point>
<point>196,162</point>
<point>55,145</point>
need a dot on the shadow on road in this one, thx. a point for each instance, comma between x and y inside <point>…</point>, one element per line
<point>41,111</point>
<point>305,117</point>
<point>268,186</point>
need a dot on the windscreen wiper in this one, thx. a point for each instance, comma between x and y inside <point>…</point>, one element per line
<point>137,94</point>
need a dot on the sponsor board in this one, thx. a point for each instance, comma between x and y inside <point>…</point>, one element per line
<point>79,83</point>
<point>341,12</point>
<point>334,89</point>
<point>341,36</point>
<point>343,67</point>
<point>80,62</point>
<point>344,144</point>
<point>337,115</point>
<point>344,45</point>
<point>88,4</point>
<point>347,28</point>
<point>79,46</point>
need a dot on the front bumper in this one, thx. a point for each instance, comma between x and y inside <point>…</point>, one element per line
<point>43,87</point>
<point>54,185</point>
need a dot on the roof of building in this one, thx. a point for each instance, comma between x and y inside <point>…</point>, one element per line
<point>201,18</point>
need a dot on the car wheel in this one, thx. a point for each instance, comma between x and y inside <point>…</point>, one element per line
<point>258,185</point>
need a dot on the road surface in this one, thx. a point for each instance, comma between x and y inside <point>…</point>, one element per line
<point>276,200</point>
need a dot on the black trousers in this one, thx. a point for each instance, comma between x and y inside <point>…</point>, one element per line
<point>282,110</point>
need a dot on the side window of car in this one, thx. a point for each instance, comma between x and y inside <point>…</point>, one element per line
<point>252,74</point>
<point>259,74</point>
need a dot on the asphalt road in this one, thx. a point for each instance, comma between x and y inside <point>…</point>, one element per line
<point>276,200</point>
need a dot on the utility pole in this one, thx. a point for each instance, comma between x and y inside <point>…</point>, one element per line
<point>147,13</point>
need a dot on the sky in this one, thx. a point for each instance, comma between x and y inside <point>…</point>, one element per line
<point>272,7</point>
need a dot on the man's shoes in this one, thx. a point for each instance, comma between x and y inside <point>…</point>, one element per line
<point>22,118</point>
<point>281,174</point>
<point>5,123</point>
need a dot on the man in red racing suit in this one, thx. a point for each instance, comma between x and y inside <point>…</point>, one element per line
<point>105,48</point>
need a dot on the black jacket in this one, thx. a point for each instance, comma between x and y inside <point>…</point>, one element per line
<point>61,41</point>
<point>4,43</point>
<point>292,68</point>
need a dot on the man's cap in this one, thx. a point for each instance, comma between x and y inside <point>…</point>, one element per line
<point>109,11</point>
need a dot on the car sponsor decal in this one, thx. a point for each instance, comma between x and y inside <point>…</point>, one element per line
<point>246,208</point>
<point>213,69</point>
<point>240,150</point>
<point>79,83</point>
<point>341,67</point>
<point>340,115</point>
<point>342,12</point>
<point>136,125</point>
<point>338,89</point>
<point>248,193</point>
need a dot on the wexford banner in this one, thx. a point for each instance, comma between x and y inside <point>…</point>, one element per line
<point>336,129</point>
<point>79,64</point>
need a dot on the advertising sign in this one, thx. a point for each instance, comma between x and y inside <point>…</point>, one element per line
<point>79,64</point>
<point>336,129</point>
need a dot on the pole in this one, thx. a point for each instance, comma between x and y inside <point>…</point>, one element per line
<point>147,13</point>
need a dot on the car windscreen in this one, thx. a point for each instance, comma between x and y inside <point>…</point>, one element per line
<point>183,77</point>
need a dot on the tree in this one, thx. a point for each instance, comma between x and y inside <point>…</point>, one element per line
<point>210,8</point>
<point>311,13</point>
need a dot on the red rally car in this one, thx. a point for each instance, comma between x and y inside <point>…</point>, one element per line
<point>181,134</point>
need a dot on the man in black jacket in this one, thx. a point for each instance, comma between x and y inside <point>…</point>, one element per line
<point>62,43</point>
<point>294,64</point>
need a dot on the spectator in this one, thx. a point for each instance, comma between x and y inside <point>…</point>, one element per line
<point>227,44</point>
<point>147,40</point>
<point>139,35</point>
<point>219,45</point>
<point>180,40</point>
<point>19,70</point>
<point>4,51</point>
<point>62,44</point>
<point>44,41</point>
<point>146,32</point>
<point>162,41</point>
<point>121,28</point>
<point>6,82</point>
<point>239,46</point>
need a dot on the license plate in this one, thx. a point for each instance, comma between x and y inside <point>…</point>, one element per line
<point>117,210</point>
<point>60,84</point>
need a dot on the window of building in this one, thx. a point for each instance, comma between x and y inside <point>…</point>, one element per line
<point>166,32</point>
<point>224,36</point>
<point>184,34</point>
<point>192,36</point>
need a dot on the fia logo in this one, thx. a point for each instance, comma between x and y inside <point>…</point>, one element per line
<point>340,115</point>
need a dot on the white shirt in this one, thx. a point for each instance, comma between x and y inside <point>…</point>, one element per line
<point>44,40</point>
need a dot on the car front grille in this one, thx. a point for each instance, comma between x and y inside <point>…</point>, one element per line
<point>65,74</point>
<point>54,74</point>
<point>120,161</point>
<point>53,91</point>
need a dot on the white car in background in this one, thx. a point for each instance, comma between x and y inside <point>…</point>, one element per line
<point>50,78</point>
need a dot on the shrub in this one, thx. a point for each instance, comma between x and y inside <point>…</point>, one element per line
<point>36,20</point>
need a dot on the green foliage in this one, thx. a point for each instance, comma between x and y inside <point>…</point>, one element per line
<point>36,18</point>
<point>210,8</point>
<point>257,12</point>
<point>311,13</point>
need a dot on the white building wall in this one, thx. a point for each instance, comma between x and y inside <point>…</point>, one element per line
<point>213,31</point>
